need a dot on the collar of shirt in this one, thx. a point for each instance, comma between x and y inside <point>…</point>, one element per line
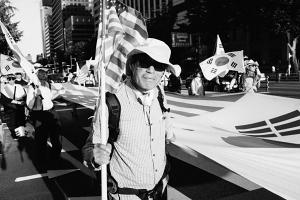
<point>145,98</point>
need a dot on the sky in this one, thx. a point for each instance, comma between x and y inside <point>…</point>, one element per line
<point>28,14</point>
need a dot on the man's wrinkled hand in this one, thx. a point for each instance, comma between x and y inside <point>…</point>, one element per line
<point>102,153</point>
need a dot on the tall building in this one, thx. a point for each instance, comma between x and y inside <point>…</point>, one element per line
<point>79,29</point>
<point>148,8</point>
<point>47,37</point>
<point>59,15</point>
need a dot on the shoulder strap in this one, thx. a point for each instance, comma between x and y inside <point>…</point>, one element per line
<point>114,111</point>
<point>160,98</point>
<point>15,92</point>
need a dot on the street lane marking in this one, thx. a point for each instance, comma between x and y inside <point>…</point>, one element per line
<point>25,178</point>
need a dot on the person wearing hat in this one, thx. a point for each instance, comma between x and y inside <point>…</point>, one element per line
<point>252,76</point>
<point>13,98</point>
<point>137,159</point>
<point>44,117</point>
<point>19,79</point>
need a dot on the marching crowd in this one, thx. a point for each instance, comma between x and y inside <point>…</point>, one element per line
<point>138,166</point>
<point>233,81</point>
<point>28,108</point>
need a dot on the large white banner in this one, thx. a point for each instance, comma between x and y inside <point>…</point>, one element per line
<point>256,137</point>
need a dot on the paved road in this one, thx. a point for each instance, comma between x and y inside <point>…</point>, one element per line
<point>21,176</point>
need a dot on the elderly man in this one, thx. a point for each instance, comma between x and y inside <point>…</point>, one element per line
<point>137,158</point>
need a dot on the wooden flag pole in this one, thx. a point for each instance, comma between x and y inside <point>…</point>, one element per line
<point>103,104</point>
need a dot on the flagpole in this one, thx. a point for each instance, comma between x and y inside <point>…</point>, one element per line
<point>103,104</point>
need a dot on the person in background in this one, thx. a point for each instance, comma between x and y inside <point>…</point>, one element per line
<point>197,85</point>
<point>165,80</point>
<point>252,76</point>
<point>234,80</point>
<point>90,79</point>
<point>137,159</point>
<point>13,98</point>
<point>44,117</point>
<point>20,80</point>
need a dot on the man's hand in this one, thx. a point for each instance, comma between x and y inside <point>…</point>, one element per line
<point>102,153</point>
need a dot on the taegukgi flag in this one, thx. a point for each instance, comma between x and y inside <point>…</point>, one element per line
<point>9,65</point>
<point>237,63</point>
<point>25,64</point>
<point>215,65</point>
<point>219,46</point>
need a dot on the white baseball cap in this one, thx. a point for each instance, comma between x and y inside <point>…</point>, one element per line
<point>158,51</point>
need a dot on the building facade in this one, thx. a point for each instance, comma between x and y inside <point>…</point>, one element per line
<point>79,29</point>
<point>148,8</point>
<point>60,14</point>
<point>46,27</point>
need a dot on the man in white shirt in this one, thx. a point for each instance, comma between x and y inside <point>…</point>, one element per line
<point>137,159</point>
<point>45,121</point>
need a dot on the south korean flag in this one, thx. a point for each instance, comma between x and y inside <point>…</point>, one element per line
<point>215,65</point>
<point>237,63</point>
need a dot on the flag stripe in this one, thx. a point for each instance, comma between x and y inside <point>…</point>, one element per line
<point>254,125</point>
<point>135,32</point>
<point>266,135</point>
<point>263,130</point>
<point>194,106</point>
<point>287,116</point>
<point>292,132</point>
<point>288,125</point>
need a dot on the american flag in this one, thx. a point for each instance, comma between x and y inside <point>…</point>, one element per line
<point>81,73</point>
<point>126,28</point>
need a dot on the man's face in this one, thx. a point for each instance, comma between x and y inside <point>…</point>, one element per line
<point>42,75</point>
<point>147,74</point>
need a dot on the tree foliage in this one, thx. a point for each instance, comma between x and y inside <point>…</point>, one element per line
<point>6,13</point>
<point>211,17</point>
<point>79,50</point>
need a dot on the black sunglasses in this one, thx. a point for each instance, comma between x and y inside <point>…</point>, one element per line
<point>11,78</point>
<point>146,63</point>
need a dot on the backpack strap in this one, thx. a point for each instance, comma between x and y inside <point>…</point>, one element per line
<point>160,99</point>
<point>114,111</point>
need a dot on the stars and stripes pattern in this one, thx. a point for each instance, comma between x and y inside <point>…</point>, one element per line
<point>283,125</point>
<point>126,28</point>
<point>112,34</point>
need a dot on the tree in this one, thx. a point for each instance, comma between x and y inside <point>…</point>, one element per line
<point>283,17</point>
<point>280,17</point>
<point>6,13</point>
<point>161,26</point>
<point>79,50</point>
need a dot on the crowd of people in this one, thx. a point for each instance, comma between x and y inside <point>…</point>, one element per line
<point>233,81</point>
<point>28,109</point>
<point>136,157</point>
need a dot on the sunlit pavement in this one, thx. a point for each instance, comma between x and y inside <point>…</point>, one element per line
<point>23,177</point>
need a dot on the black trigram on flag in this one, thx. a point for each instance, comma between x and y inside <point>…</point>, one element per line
<point>233,64</point>
<point>283,125</point>
<point>231,55</point>
<point>7,67</point>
